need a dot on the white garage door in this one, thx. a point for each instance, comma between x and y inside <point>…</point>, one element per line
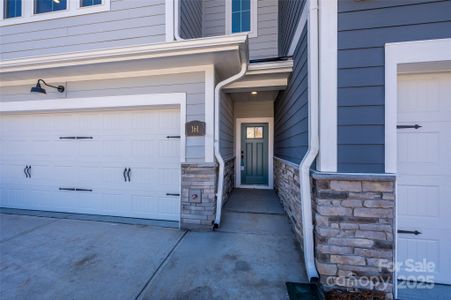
<point>86,174</point>
<point>424,168</point>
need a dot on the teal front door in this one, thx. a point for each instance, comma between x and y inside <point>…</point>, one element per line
<point>254,153</point>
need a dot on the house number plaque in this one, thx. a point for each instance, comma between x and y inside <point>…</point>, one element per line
<point>195,128</point>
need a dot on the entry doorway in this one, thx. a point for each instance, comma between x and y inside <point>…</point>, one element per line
<point>254,152</point>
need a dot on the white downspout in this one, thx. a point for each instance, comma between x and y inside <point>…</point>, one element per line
<point>219,86</point>
<point>177,20</point>
<point>313,148</point>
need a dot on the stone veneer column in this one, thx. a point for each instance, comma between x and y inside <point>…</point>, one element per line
<point>198,213</point>
<point>286,185</point>
<point>354,230</point>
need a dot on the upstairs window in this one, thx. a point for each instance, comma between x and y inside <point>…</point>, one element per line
<point>241,16</point>
<point>13,8</point>
<point>43,6</point>
<point>85,3</point>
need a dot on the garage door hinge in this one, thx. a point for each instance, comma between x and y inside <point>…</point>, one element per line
<point>76,137</point>
<point>415,232</point>
<point>75,189</point>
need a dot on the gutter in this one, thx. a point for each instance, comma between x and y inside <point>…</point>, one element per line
<point>219,158</point>
<point>313,148</point>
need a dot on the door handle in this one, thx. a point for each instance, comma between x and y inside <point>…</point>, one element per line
<point>25,171</point>
<point>128,174</point>
<point>124,174</point>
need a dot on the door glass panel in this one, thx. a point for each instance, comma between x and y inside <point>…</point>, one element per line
<point>254,132</point>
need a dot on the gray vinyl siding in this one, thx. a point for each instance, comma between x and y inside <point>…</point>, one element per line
<point>193,84</point>
<point>289,14</point>
<point>262,46</point>
<point>190,19</point>
<point>226,127</point>
<point>291,109</point>
<point>363,29</point>
<point>129,22</point>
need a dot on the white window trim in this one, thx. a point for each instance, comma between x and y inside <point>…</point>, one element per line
<point>238,123</point>
<point>254,20</point>
<point>405,53</point>
<point>73,9</point>
<point>328,56</point>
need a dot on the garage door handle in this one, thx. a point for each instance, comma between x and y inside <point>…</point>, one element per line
<point>124,174</point>
<point>128,174</point>
<point>416,126</point>
<point>173,136</point>
<point>29,171</point>
<point>415,232</point>
<point>171,194</point>
<point>25,171</point>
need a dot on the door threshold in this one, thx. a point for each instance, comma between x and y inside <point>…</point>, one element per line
<point>255,186</point>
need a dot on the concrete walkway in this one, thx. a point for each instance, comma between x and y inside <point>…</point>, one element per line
<point>252,255</point>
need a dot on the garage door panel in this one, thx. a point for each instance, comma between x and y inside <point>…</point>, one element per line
<point>424,172</point>
<point>135,139</point>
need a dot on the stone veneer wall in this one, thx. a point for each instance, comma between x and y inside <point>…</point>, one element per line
<point>354,230</point>
<point>199,213</point>
<point>229,180</point>
<point>286,185</point>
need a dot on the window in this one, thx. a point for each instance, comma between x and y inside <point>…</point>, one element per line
<point>84,3</point>
<point>254,132</point>
<point>13,8</point>
<point>43,6</point>
<point>27,11</point>
<point>241,16</point>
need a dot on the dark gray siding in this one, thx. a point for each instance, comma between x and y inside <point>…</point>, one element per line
<point>291,109</point>
<point>289,14</point>
<point>363,29</point>
<point>190,19</point>
<point>129,22</point>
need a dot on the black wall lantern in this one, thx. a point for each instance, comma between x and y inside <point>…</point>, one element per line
<point>40,90</point>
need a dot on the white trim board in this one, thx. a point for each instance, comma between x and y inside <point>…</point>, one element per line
<point>73,9</point>
<point>170,20</point>
<point>419,52</point>
<point>254,18</point>
<point>299,28</point>
<point>209,113</point>
<point>238,123</point>
<point>328,43</point>
<point>145,100</point>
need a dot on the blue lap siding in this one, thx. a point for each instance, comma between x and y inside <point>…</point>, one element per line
<point>291,109</point>
<point>363,29</point>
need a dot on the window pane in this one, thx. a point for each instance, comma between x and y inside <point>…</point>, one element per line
<point>13,8</point>
<point>250,132</point>
<point>246,4</point>
<point>90,2</point>
<point>241,16</point>
<point>245,21</point>
<point>236,24</point>
<point>236,5</point>
<point>258,132</point>
<point>42,6</point>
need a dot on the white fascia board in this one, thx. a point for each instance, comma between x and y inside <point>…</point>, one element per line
<point>257,83</point>
<point>270,67</point>
<point>160,50</point>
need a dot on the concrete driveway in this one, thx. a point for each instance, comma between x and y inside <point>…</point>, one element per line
<point>251,256</point>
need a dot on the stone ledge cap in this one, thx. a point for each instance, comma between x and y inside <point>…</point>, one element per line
<point>354,176</point>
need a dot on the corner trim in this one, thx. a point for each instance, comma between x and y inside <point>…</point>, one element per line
<point>328,43</point>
